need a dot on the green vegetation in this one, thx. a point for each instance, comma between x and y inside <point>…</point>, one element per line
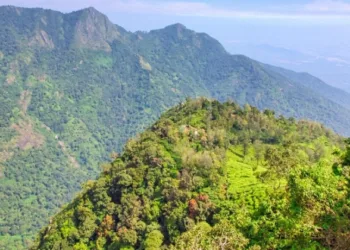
<point>75,88</point>
<point>214,176</point>
<point>309,81</point>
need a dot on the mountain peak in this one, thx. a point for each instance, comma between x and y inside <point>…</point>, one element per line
<point>176,25</point>
<point>177,31</point>
<point>94,30</point>
<point>92,11</point>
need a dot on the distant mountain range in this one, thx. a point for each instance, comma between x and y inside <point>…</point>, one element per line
<point>76,87</point>
<point>333,68</point>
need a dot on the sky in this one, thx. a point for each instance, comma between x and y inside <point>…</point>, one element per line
<point>273,22</point>
<point>313,11</point>
<point>326,10</point>
<point>317,27</point>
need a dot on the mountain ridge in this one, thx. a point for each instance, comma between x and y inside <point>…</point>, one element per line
<point>67,103</point>
<point>337,95</point>
<point>91,29</point>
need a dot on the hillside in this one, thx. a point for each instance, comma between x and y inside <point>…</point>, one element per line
<point>317,85</point>
<point>199,57</point>
<point>328,65</point>
<point>214,176</point>
<point>75,87</point>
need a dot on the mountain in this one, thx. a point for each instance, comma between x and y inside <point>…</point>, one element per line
<point>314,83</point>
<point>227,76</point>
<point>208,175</point>
<point>331,64</point>
<point>76,87</point>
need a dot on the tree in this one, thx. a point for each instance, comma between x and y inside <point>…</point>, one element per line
<point>225,236</point>
<point>258,150</point>
<point>346,157</point>
<point>246,143</point>
<point>154,240</point>
<point>197,238</point>
<point>319,151</point>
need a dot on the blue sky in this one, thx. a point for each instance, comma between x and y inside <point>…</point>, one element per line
<point>150,14</point>
<point>202,14</point>
<point>253,9</point>
<point>311,25</point>
<point>319,28</point>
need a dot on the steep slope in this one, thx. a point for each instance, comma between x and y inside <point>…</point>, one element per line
<point>330,66</point>
<point>214,176</point>
<point>317,85</point>
<point>76,87</point>
<point>201,58</point>
<point>49,29</point>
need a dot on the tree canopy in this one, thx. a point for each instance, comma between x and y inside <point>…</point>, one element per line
<point>188,182</point>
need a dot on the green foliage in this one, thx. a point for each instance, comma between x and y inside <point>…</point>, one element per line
<point>183,186</point>
<point>346,157</point>
<point>75,87</point>
<point>154,240</point>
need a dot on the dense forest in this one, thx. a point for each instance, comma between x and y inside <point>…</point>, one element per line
<point>75,87</point>
<point>208,175</point>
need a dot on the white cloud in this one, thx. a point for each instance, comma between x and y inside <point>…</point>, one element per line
<point>319,9</point>
<point>202,9</point>
<point>328,6</point>
<point>336,59</point>
<point>185,9</point>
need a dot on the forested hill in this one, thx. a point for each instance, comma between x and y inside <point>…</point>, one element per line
<point>75,87</point>
<point>214,176</point>
<point>337,95</point>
